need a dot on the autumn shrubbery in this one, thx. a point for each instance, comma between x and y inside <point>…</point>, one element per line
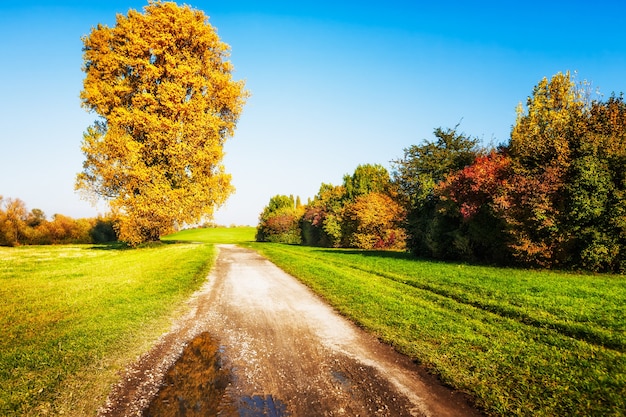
<point>18,226</point>
<point>279,222</point>
<point>553,197</point>
<point>558,191</point>
<point>360,213</point>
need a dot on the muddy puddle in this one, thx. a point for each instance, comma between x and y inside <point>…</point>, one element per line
<point>198,385</point>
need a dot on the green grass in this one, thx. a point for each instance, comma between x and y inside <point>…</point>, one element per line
<point>215,235</point>
<point>524,343</point>
<point>71,317</point>
<point>520,342</point>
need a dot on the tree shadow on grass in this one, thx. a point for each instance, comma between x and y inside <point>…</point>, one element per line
<point>409,256</point>
<point>109,246</point>
<point>126,246</point>
<point>400,255</point>
<point>390,254</point>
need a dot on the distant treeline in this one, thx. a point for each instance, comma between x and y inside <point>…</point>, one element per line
<point>18,226</point>
<point>553,197</point>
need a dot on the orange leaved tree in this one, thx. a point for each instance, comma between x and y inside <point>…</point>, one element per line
<point>373,221</point>
<point>162,87</point>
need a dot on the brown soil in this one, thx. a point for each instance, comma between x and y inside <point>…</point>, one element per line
<point>259,343</point>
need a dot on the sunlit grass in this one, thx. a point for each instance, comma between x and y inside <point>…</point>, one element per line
<point>521,342</point>
<point>215,235</point>
<point>526,343</point>
<point>73,316</point>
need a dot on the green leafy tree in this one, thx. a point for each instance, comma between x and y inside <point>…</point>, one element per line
<point>416,176</point>
<point>423,166</point>
<point>322,218</point>
<point>280,221</point>
<point>596,190</point>
<point>36,217</point>
<point>367,179</point>
<point>103,230</point>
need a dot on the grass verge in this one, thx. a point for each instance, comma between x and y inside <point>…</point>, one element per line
<point>71,317</point>
<point>522,343</point>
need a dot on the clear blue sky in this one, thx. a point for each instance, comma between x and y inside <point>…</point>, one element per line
<point>334,84</point>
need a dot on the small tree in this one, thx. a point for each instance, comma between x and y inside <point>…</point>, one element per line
<point>13,222</point>
<point>367,179</point>
<point>322,219</point>
<point>280,221</point>
<point>162,87</point>
<point>36,217</point>
<point>374,221</point>
<point>103,230</point>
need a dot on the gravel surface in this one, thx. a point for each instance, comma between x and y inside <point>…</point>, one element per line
<point>257,342</point>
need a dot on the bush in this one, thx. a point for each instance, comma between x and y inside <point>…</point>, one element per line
<point>280,221</point>
<point>103,231</point>
<point>19,227</point>
<point>373,221</point>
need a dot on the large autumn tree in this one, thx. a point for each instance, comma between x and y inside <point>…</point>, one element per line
<point>371,215</point>
<point>542,150</point>
<point>161,84</point>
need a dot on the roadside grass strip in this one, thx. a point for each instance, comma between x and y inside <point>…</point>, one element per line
<point>522,343</point>
<point>73,316</point>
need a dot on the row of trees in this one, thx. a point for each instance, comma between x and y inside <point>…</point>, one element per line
<point>363,212</point>
<point>18,226</point>
<point>554,196</point>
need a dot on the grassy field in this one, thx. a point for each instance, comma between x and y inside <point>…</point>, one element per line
<point>525,343</point>
<point>73,316</point>
<point>214,235</point>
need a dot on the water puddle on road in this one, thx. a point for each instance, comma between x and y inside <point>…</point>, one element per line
<point>196,385</point>
<point>261,406</point>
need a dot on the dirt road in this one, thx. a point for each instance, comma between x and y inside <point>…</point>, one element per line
<point>258,343</point>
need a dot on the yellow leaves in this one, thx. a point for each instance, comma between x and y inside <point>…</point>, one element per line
<point>374,220</point>
<point>543,133</point>
<point>168,102</point>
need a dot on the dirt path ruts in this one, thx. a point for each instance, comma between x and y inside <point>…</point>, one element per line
<point>287,352</point>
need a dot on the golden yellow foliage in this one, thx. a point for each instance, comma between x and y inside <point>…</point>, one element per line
<point>543,133</point>
<point>373,222</point>
<point>162,85</point>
